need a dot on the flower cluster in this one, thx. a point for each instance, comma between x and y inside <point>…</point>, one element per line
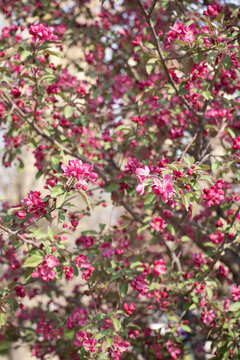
<point>81,171</point>
<point>217,238</point>
<point>86,340</point>
<point>129,308</point>
<point>182,32</point>
<point>45,270</point>
<point>213,10</point>
<point>163,189</point>
<point>215,195</point>
<point>83,264</point>
<point>85,241</point>
<point>46,330</point>
<point>119,346</point>
<point>35,205</point>
<point>41,32</point>
<point>77,318</point>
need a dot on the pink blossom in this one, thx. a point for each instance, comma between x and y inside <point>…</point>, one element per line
<point>81,171</point>
<point>159,267</point>
<point>85,339</point>
<point>173,350</point>
<point>129,308</point>
<point>158,224</point>
<point>142,173</point>
<point>77,318</point>
<point>34,204</point>
<point>118,347</point>
<point>207,317</point>
<point>140,285</point>
<point>15,92</point>
<point>164,188</point>
<point>217,238</point>
<point>42,32</point>
<point>235,292</point>
<point>68,271</point>
<point>44,270</point>
<point>140,189</point>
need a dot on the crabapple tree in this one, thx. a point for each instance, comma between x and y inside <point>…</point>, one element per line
<point>134,105</point>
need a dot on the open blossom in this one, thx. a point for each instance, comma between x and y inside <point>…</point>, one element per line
<point>142,173</point>
<point>217,238</point>
<point>46,330</point>
<point>139,284</point>
<point>42,32</point>
<point>83,264</point>
<point>45,270</point>
<point>68,271</point>
<point>207,317</point>
<point>85,339</point>
<point>34,203</point>
<point>182,32</point>
<point>118,347</point>
<point>215,195</point>
<point>235,292</point>
<point>164,188</point>
<point>159,267</point>
<point>81,171</point>
<point>77,318</point>
<point>173,350</point>
<point>157,224</point>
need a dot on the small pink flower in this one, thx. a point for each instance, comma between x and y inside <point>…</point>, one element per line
<point>68,273</point>
<point>235,292</point>
<point>159,267</point>
<point>158,224</point>
<point>164,189</point>
<point>142,173</point>
<point>140,189</point>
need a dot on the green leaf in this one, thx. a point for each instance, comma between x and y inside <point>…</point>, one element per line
<point>54,53</point>
<point>112,187</point>
<point>61,216</point>
<point>231,132</point>
<point>109,342</point>
<point>150,65</point>
<point>234,307</point>
<point>60,200</point>
<point>57,190</point>
<point>122,127</point>
<point>207,95</point>
<point>33,261</point>
<point>3,319</point>
<point>54,163</point>
<point>135,264</point>
<point>195,209</point>
<point>227,62</point>
<point>186,328</point>
<point>116,324</point>
<point>142,228</point>
<point>185,238</point>
<point>186,201</point>
<point>150,199</point>
<point>85,199</point>
<point>211,57</point>
<point>25,54</point>
<point>68,111</point>
<point>123,289</point>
